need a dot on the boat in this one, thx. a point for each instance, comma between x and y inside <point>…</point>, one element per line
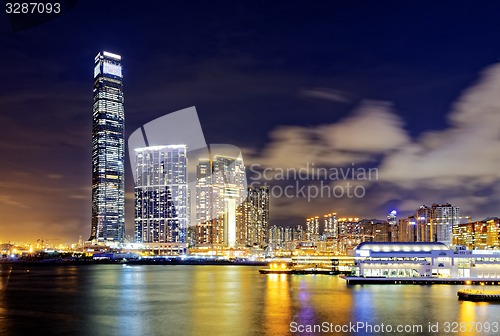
<point>298,271</point>
<point>286,268</point>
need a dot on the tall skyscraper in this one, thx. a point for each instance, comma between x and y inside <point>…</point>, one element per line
<point>161,194</point>
<point>108,151</point>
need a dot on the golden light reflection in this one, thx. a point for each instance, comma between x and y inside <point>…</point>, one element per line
<point>467,314</point>
<point>278,310</point>
<point>221,290</point>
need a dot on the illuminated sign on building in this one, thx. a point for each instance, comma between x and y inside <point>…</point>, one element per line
<point>112,69</point>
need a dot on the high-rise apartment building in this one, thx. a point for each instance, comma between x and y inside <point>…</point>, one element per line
<point>276,236</point>
<point>255,217</point>
<point>331,226</point>
<point>436,223</point>
<point>220,190</point>
<point>161,194</point>
<point>298,233</point>
<point>108,151</point>
<point>479,235</point>
<point>407,229</point>
<point>393,226</point>
<point>203,199</point>
<point>312,229</point>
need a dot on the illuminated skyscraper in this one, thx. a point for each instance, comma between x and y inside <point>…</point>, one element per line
<point>220,190</point>
<point>161,194</point>
<point>204,195</point>
<point>228,181</point>
<point>254,225</point>
<point>108,150</point>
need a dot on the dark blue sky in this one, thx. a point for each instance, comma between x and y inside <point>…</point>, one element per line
<point>250,68</point>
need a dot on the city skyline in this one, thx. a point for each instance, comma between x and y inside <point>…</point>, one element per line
<point>412,102</point>
<point>249,167</point>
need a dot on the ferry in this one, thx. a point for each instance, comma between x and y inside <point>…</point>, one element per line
<point>328,265</point>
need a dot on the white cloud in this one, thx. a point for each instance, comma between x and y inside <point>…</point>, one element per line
<point>372,129</point>
<point>468,152</point>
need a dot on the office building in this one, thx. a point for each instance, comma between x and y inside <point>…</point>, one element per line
<point>108,151</point>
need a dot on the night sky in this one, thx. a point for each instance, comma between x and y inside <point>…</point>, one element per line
<point>411,88</point>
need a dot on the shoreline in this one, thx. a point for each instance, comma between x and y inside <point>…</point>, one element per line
<point>420,281</point>
<point>172,262</point>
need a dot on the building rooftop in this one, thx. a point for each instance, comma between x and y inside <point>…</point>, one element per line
<point>402,247</point>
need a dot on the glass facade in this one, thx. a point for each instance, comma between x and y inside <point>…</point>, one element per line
<point>161,194</point>
<point>108,151</point>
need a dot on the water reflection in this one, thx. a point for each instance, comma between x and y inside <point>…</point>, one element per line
<point>467,314</point>
<point>215,305</point>
<point>321,299</point>
<point>277,304</point>
<point>211,300</point>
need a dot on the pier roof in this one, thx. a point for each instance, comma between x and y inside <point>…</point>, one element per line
<point>402,247</point>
